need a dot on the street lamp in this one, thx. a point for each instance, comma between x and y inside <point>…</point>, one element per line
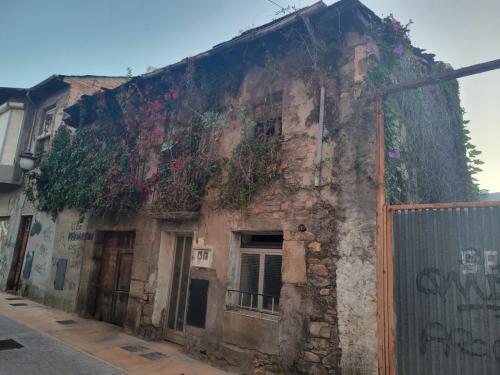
<point>27,160</point>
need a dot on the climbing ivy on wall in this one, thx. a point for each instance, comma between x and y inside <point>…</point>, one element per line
<point>421,170</point>
<point>102,167</point>
<point>255,163</point>
<point>452,93</point>
<point>154,141</point>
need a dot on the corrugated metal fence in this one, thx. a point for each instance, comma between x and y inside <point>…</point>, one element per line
<point>445,264</point>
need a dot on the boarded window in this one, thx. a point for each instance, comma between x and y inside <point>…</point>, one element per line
<point>249,279</point>
<point>28,264</point>
<point>198,296</point>
<point>45,130</point>
<point>272,281</point>
<point>60,274</point>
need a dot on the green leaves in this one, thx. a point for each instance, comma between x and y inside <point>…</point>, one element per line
<point>255,164</point>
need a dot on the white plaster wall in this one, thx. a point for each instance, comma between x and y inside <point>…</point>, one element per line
<point>164,273</point>
<point>11,122</point>
<point>10,146</point>
<point>4,124</point>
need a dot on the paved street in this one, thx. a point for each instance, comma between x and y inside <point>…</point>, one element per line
<point>43,355</point>
<point>59,343</point>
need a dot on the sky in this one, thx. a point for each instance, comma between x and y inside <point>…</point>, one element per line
<point>39,38</point>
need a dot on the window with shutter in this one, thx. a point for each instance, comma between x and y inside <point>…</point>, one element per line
<point>259,274</point>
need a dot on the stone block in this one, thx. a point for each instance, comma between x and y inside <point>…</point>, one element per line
<point>147,309</point>
<point>319,270</point>
<point>354,39</point>
<point>312,260</point>
<point>360,63</point>
<point>311,357</point>
<point>305,236</point>
<point>314,246</point>
<point>294,262</point>
<point>140,270</point>
<point>136,288</point>
<point>320,329</point>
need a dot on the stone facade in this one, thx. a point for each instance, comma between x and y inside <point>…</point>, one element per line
<point>327,320</point>
<point>323,206</point>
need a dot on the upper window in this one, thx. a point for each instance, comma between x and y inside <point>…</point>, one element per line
<point>268,129</point>
<point>259,279</point>
<point>268,115</point>
<point>45,130</point>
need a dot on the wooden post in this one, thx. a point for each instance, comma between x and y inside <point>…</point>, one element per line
<point>382,343</point>
<point>389,296</point>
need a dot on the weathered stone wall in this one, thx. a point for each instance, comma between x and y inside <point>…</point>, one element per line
<point>354,168</point>
<point>328,319</point>
<point>328,310</point>
<point>147,240</point>
<point>50,240</point>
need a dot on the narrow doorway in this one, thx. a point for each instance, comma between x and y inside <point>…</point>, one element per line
<point>179,290</point>
<point>115,275</point>
<point>19,253</point>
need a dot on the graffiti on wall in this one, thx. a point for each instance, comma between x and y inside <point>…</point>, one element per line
<point>475,286</point>
<point>40,243</point>
<point>80,236</point>
<point>458,340</point>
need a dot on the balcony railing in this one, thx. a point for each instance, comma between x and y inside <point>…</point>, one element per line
<point>260,303</point>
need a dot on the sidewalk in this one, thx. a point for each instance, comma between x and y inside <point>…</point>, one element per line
<point>104,342</point>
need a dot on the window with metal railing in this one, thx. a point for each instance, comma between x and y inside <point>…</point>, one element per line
<point>259,277</point>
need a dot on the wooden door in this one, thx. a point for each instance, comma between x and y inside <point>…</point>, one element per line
<point>19,252</point>
<point>179,289</point>
<point>115,276</point>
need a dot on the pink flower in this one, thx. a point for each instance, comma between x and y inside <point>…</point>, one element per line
<point>156,106</point>
<point>399,50</point>
<point>156,136</point>
<point>396,26</point>
<point>177,165</point>
<point>396,154</point>
<point>370,45</point>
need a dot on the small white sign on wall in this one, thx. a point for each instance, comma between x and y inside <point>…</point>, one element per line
<point>202,257</point>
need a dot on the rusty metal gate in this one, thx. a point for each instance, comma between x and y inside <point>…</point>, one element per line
<point>443,262</point>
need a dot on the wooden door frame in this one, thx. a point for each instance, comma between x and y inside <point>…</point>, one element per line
<point>20,247</point>
<point>178,337</point>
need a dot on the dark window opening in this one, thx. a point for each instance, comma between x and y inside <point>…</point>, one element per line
<point>267,241</point>
<point>249,279</point>
<point>268,129</point>
<point>272,282</point>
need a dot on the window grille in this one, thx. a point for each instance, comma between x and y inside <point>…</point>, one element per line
<point>259,275</point>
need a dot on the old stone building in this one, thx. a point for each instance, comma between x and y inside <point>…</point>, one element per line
<point>30,239</point>
<point>255,245</point>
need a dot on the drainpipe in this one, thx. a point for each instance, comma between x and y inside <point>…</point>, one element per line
<point>319,150</point>
<point>33,106</point>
